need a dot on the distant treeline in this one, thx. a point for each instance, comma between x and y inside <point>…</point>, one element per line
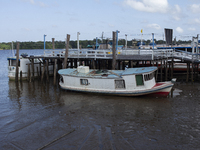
<point>73,44</point>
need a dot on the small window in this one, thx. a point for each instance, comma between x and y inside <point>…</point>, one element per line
<point>84,81</point>
<point>119,84</point>
<point>61,79</point>
<point>139,80</point>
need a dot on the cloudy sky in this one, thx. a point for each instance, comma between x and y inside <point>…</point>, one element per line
<point>29,20</point>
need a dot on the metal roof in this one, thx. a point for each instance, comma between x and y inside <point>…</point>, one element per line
<point>107,73</point>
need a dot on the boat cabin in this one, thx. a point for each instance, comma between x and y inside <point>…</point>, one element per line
<point>84,78</point>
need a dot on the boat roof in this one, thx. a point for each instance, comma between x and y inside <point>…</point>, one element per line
<point>107,73</point>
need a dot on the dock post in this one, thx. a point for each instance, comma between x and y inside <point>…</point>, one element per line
<point>188,67</point>
<point>28,75</point>
<point>32,65</point>
<point>75,63</point>
<point>66,52</point>
<point>161,68</point>
<point>37,73</point>
<point>93,64</point>
<point>40,68</point>
<point>114,51</point>
<point>166,70</point>
<point>47,71</point>
<point>17,64</point>
<point>53,44</point>
<point>20,75</point>
<point>157,71</point>
<point>192,72</point>
<point>55,62</point>
<point>43,71</point>
<point>172,68</point>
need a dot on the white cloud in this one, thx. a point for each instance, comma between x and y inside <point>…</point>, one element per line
<point>191,29</point>
<point>176,13</point>
<point>111,25</point>
<point>177,8</point>
<point>29,1</point>
<point>54,26</point>
<point>148,5</point>
<point>26,29</point>
<point>154,26</point>
<point>41,4</point>
<point>195,8</point>
<point>38,3</point>
<point>197,20</point>
<point>179,30</point>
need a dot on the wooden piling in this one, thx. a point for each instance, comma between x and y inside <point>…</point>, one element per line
<point>38,73</point>
<point>93,64</point>
<point>55,63</point>
<point>53,44</point>
<point>20,75</point>
<point>43,70</point>
<point>114,51</point>
<point>161,68</point>
<point>66,52</point>
<point>47,70</point>
<point>192,72</point>
<point>172,68</point>
<point>28,75</point>
<point>166,70</point>
<point>33,70</point>
<point>188,67</point>
<point>17,63</point>
<point>40,68</point>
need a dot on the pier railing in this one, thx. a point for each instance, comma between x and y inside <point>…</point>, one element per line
<point>83,53</point>
<point>100,53</point>
<point>183,55</point>
<point>164,53</point>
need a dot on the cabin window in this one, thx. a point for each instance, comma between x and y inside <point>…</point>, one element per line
<point>139,80</point>
<point>61,79</point>
<point>84,81</point>
<point>119,84</point>
<point>148,76</point>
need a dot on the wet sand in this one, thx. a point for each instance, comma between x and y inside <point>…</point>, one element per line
<point>40,116</point>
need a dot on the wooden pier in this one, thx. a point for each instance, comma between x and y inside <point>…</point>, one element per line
<point>112,59</point>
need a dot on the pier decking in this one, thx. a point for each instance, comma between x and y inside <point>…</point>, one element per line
<point>164,59</point>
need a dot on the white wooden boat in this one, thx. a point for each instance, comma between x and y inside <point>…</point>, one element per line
<point>23,67</point>
<point>129,82</point>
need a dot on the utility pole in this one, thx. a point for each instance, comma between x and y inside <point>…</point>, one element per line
<point>126,41</point>
<point>44,41</point>
<point>102,37</point>
<point>78,33</point>
<point>96,42</point>
<point>117,39</point>
<point>153,39</point>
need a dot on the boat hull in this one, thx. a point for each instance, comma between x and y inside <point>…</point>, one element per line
<point>161,89</point>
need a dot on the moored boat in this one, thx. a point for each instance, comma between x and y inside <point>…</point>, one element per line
<point>23,66</point>
<point>129,82</point>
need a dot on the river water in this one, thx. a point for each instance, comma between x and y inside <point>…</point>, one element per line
<point>42,116</point>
